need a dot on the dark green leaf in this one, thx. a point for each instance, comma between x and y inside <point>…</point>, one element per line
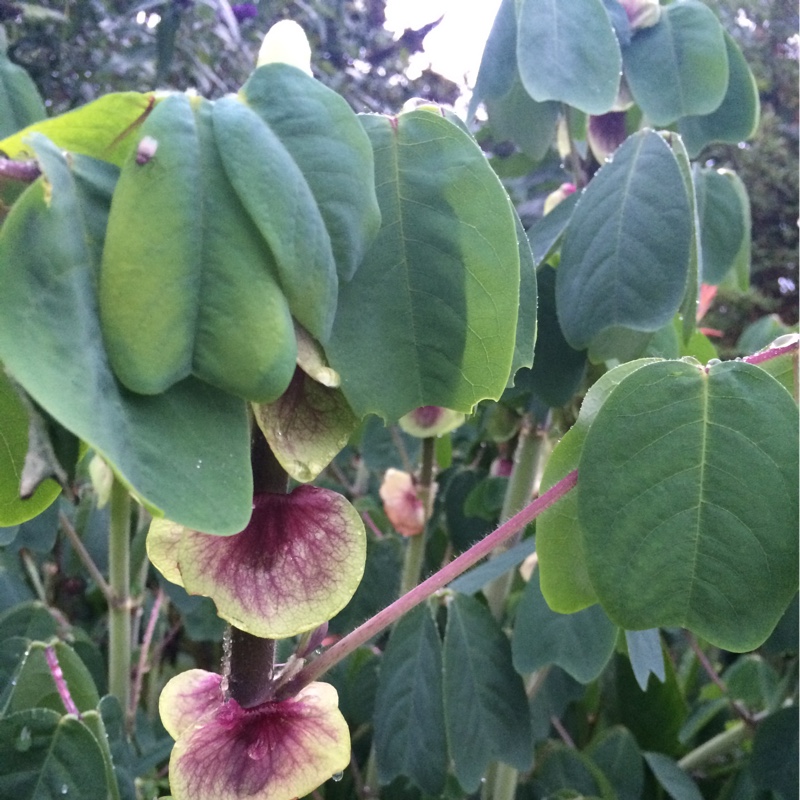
<point>644,651</point>
<point>677,783</point>
<point>736,119</point>
<point>678,67</point>
<point>409,718</point>
<point>525,342</point>
<point>552,699</point>
<point>185,452</point>
<point>545,234</point>
<point>499,62</point>
<point>688,497</point>
<point>486,710</point>
<point>618,756</point>
<point>580,643</point>
<point>20,102</point>
<point>563,768</point>
<point>774,760</point>
<point>753,681</point>
<point>119,745</point>
<point>463,528</point>
<point>569,53</point>
<point>44,756</point>
<point>474,580</point>
<point>419,305</point>
<point>625,253</point>
<point>29,620</point>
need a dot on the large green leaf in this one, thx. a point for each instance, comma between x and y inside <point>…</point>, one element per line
<point>678,67</point>
<point>200,293</point>
<point>625,253</point>
<point>774,760</point>
<point>104,129</point>
<point>569,52</point>
<point>14,425</point>
<point>677,783</point>
<point>410,735</point>
<point>185,452</point>
<point>580,643</point>
<point>562,566</point>
<point>20,102</point>
<point>485,707</point>
<point>736,119</point>
<point>430,318</point>
<point>618,756</point>
<point>724,221</point>
<point>687,501</point>
<point>324,138</point>
<point>44,756</point>
<point>499,61</point>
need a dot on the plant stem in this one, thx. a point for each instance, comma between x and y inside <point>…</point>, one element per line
<point>85,558</point>
<point>415,547</point>
<point>716,746</point>
<point>119,624</point>
<point>518,494</point>
<point>438,580</point>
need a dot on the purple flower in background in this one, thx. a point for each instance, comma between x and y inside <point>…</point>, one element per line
<point>243,11</point>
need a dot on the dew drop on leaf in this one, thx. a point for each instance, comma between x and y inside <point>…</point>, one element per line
<point>337,776</point>
<point>258,750</point>
<point>24,742</point>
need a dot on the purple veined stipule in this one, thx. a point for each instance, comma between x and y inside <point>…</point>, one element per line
<point>146,150</point>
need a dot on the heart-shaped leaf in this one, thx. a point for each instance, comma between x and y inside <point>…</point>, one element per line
<point>687,499</point>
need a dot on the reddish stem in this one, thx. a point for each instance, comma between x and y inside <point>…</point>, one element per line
<point>772,352</point>
<point>61,684</point>
<point>25,171</point>
<point>424,590</point>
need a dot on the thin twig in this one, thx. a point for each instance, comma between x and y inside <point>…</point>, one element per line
<point>147,640</point>
<point>562,732</point>
<point>86,559</point>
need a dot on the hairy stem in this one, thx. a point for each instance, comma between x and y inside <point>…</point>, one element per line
<point>438,580</point>
<point>716,746</point>
<point>119,625</point>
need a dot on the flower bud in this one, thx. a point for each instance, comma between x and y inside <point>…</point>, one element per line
<point>558,196</point>
<point>286,43</point>
<point>642,13</point>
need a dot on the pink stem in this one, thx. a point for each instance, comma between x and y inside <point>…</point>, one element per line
<point>424,590</point>
<point>26,171</point>
<point>61,684</point>
<point>147,640</point>
<point>773,352</point>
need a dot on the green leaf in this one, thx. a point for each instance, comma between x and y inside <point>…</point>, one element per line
<point>418,324</point>
<point>499,61</point>
<point>625,253</point>
<point>736,119</point>
<point>31,620</point>
<point>722,222</point>
<point>677,783</point>
<point>327,142</point>
<point>473,581</point>
<point>525,343</point>
<point>185,452</point>
<point>564,578</point>
<point>687,498</point>
<point>580,643</point>
<point>558,369</point>
<point>773,764</point>
<point>545,234</point>
<point>102,129</point>
<point>561,768</point>
<point>516,117</point>
<point>569,53</point>
<point>482,694</point>
<point>20,102</point>
<point>678,67</point>
<point>555,694</point>
<point>44,756</point>
<point>644,651</point>
<point>181,300</point>
<point>14,426</point>
<point>618,756</point>
<point>409,716</point>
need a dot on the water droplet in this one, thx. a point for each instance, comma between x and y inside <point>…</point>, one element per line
<point>337,776</point>
<point>64,788</point>
<point>257,750</point>
<point>24,742</point>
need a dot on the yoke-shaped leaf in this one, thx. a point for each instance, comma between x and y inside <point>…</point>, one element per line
<point>410,735</point>
<point>736,119</point>
<point>325,139</point>
<point>625,253</point>
<point>14,427</point>
<point>45,755</point>
<point>188,285</point>
<point>646,655</point>
<point>430,318</point>
<point>185,452</point>
<point>486,710</point>
<point>295,565</point>
<point>687,501</point>
<point>678,67</point>
<point>568,52</point>
<point>580,643</point>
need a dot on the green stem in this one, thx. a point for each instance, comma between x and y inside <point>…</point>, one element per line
<point>716,746</point>
<point>415,548</point>
<point>518,493</point>
<point>119,624</point>
<point>427,588</point>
